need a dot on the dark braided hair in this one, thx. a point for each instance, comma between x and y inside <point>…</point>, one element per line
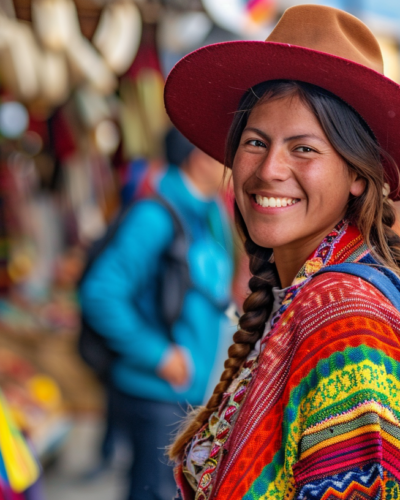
<point>256,310</point>
<point>373,213</point>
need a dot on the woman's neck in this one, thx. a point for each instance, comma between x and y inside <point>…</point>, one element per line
<point>290,259</point>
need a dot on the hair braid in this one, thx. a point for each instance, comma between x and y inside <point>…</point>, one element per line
<point>257,308</point>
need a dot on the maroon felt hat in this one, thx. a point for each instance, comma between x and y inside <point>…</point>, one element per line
<point>311,43</point>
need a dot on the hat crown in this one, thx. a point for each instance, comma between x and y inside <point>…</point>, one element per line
<point>329,30</point>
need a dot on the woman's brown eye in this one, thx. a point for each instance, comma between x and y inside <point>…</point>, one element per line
<point>257,143</point>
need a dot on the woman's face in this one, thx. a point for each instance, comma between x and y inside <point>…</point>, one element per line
<point>291,186</point>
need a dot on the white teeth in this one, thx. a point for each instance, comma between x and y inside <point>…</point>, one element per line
<point>260,200</point>
<point>275,202</point>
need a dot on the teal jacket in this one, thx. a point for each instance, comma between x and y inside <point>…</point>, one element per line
<point>119,294</point>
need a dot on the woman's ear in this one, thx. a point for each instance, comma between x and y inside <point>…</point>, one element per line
<point>358,185</point>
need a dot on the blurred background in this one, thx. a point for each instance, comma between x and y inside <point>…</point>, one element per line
<point>81,122</point>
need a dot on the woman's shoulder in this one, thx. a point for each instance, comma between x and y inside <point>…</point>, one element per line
<point>334,295</point>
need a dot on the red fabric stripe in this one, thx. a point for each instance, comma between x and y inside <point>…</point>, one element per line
<point>326,471</point>
<point>343,460</point>
<point>391,459</point>
<point>366,445</point>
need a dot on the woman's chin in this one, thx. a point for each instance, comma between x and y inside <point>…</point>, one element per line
<point>266,241</point>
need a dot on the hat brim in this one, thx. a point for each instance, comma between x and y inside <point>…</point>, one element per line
<point>203,91</point>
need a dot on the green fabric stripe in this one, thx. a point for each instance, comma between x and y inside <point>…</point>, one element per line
<point>311,440</point>
<point>391,429</point>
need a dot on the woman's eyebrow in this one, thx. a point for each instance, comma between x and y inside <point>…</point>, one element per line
<point>258,131</point>
<point>287,139</point>
<point>304,136</point>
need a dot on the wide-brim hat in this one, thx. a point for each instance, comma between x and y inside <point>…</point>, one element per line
<point>311,43</point>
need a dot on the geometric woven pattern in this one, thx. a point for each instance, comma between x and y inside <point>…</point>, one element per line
<point>321,418</point>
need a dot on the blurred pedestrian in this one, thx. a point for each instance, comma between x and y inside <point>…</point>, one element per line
<point>157,373</point>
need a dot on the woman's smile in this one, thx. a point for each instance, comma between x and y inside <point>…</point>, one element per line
<point>266,201</point>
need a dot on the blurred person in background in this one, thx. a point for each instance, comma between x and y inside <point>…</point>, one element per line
<point>156,373</point>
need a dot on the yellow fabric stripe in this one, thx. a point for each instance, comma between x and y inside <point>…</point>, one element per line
<point>353,379</point>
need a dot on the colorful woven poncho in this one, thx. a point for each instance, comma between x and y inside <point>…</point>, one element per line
<point>321,416</point>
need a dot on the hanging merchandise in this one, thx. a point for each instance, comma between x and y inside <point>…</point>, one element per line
<point>56,24</point>
<point>54,78</point>
<point>28,72</point>
<point>43,74</point>
<point>91,107</point>
<point>114,46</point>
<point>106,137</point>
<point>14,119</point>
<point>19,59</point>
<point>18,468</point>
<point>118,34</point>
<point>89,191</point>
<point>88,66</point>
<point>143,117</point>
<point>247,18</point>
<point>9,222</point>
<point>33,398</point>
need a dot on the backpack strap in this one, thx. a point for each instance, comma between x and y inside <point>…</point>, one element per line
<point>180,243</point>
<point>175,278</point>
<point>372,275</point>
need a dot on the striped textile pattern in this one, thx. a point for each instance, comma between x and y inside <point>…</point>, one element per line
<point>322,417</point>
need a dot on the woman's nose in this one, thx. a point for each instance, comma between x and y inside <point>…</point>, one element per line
<point>274,165</point>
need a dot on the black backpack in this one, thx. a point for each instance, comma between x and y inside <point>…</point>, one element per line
<point>173,285</point>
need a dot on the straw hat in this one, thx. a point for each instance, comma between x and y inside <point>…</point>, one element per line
<point>311,43</point>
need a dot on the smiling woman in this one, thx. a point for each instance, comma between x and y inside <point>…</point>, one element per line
<point>307,406</point>
<point>283,151</point>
